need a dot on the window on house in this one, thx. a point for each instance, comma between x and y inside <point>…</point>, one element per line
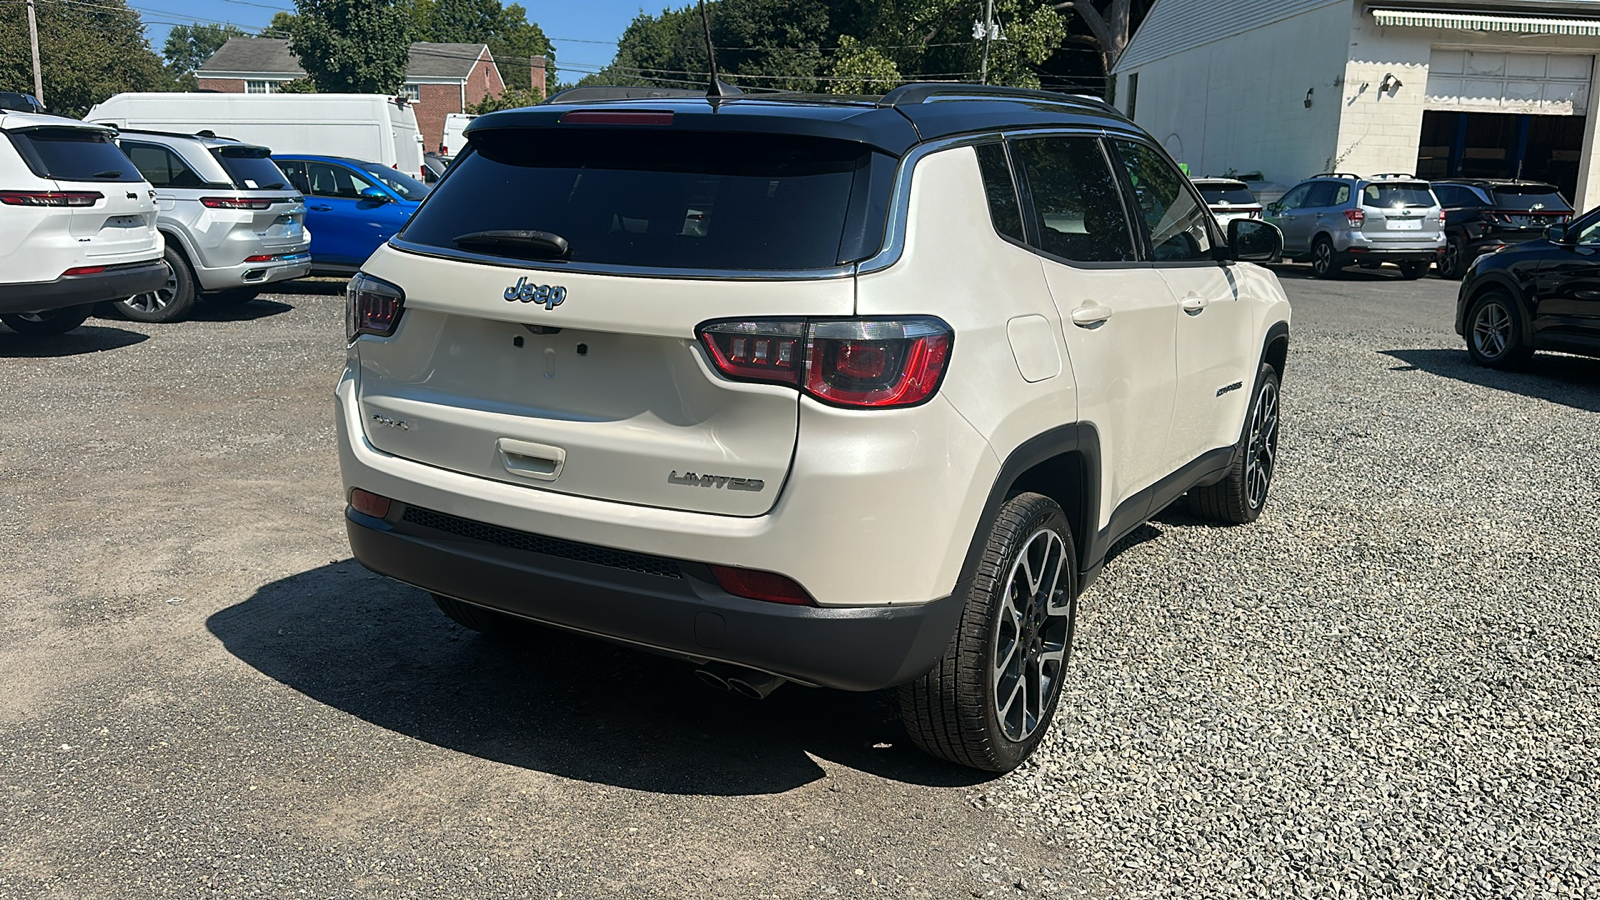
<point>260,87</point>
<point>412,92</point>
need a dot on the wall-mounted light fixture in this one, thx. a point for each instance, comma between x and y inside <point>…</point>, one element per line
<point>1389,83</point>
<point>1309,92</point>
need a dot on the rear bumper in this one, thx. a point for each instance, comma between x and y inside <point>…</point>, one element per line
<point>669,606</point>
<point>116,282</point>
<point>1384,254</point>
<point>291,265</point>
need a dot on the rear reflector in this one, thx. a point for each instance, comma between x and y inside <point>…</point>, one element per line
<point>262,257</point>
<point>368,503</point>
<point>83,270</point>
<point>617,117</point>
<point>49,198</point>
<point>761,586</point>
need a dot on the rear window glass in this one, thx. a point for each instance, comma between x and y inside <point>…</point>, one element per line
<point>682,200</point>
<point>1396,195</point>
<point>1530,198</point>
<point>407,187</point>
<point>250,168</point>
<point>73,154</point>
<point>1226,193</point>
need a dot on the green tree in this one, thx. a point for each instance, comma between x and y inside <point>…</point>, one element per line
<point>512,39</point>
<point>859,69</point>
<point>189,46</point>
<point>87,53</point>
<point>281,26</point>
<point>356,46</point>
<point>297,86</point>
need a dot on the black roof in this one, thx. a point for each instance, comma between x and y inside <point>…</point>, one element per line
<point>894,123</point>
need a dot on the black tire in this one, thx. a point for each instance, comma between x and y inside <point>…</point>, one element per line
<point>486,622</point>
<point>954,711</point>
<point>1241,495</point>
<point>49,323</point>
<point>1324,262</point>
<point>1453,263</point>
<point>1494,332</point>
<point>168,303</point>
<point>233,297</point>
<point>1412,269</point>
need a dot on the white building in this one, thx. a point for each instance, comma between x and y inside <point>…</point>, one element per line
<point>1291,88</point>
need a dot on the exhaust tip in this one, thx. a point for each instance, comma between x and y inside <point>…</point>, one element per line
<point>713,679</point>
<point>755,685</point>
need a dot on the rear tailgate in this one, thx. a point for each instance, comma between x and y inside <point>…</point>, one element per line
<point>277,211</point>
<point>113,212</point>
<point>122,223</point>
<point>1400,212</point>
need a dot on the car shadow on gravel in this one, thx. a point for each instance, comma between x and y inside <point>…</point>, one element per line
<point>80,340</point>
<point>552,701</point>
<point>1568,380</point>
<point>311,287</point>
<point>238,312</point>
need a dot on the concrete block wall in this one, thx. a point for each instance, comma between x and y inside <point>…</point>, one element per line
<point>1239,103</point>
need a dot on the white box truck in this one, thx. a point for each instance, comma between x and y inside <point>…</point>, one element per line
<point>370,127</point>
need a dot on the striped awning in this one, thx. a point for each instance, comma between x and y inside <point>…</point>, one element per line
<point>1460,21</point>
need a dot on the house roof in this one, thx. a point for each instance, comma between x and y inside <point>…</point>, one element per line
<point>271,56</point>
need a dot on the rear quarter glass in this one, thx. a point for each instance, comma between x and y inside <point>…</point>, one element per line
<point>662,199</point>
<point>73,154</point>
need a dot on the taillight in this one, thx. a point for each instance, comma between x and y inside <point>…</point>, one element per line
<point>758,585</point>
<point>49,198</point>
<point>236,203</point>
<point>1357,217</point>
<point>1441,218</point>
<point>863,363</point>
<point>372,306</point>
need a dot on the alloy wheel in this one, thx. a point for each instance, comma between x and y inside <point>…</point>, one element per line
<point>1452,258</point>
<point>1491,331</point>
<point>156,300</point>
<point>1030,638</point>
<point>1262,453</point>
<point>1322,259</point>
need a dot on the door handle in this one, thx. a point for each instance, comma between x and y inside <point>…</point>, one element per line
<point>1090,316</point>
<point>1194,304</point>
<point>540,462</point>
<point>320,208</point>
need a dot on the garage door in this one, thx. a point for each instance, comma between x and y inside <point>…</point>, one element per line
<point>1552,84</point>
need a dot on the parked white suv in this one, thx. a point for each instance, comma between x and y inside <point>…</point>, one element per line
<point>849,394</point>
<point>77,223</point>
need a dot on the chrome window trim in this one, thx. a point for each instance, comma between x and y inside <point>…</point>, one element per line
<point>612,269</point>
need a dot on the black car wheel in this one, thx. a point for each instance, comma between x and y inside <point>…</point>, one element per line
<point>1453,264</point>
<point>1241,495</point>
<point>1494,332</point>
<point>1323,263</point>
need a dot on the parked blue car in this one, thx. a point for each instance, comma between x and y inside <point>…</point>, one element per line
<point>352,207</point>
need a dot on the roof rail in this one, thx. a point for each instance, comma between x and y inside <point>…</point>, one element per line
<point>1336,175</point>
<point>205,134</point>
<point>592,93</point>
<point>913,94</point>
<point>1412,176</point>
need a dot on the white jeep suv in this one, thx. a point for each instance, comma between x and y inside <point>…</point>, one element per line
<point>77,223</point>
<point>850,394</point>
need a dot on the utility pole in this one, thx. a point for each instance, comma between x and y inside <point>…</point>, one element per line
<point>33,37</point>
<point>983,67</point>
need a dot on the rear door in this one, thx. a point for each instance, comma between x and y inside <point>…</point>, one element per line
<point>1289,215</point>
<point>585,377</point>
<point>277,211</point>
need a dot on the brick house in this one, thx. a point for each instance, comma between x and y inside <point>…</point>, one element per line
<point>440,78</point>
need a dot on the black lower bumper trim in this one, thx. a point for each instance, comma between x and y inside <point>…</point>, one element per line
<point>854,648</point>
<point>114,283</point>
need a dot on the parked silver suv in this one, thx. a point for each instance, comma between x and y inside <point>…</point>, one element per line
<point>232,221</point>
<point>1336,220</point>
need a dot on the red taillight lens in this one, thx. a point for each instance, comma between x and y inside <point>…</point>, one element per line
<point>49,198</point>
<point>235,203</point>
<point>1357,217</point>
<point>83,270</point>
<point>260,257</point>
<point>846,362</point>
<point>761,586</point>
<point>372,306</point>
<point>368,503</point>
<point>1441,218</point>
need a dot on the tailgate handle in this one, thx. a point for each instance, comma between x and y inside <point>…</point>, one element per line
<point>541,462</point>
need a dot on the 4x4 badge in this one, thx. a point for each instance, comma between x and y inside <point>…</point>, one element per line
<point>550,295</point>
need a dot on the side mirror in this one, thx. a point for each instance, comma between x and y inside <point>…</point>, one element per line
<point>1274,208</point>
<point>1252,240</point>
<point>375,193</point>
<point>1556,234</point>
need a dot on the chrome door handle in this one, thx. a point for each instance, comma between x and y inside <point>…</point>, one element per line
<point>1090,316</point>
<point>1193,304</point>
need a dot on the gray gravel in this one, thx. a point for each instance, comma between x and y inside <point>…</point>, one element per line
<point>1387,686</point>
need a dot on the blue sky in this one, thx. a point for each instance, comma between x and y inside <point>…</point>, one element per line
<point>585,32</point>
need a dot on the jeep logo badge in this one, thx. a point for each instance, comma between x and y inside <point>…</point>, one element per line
<point>548,295</point>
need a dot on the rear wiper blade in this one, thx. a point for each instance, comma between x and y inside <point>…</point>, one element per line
<point>529,244</point>
<point>109,173</point>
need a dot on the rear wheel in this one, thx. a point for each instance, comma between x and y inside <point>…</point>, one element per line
<point>1494,332</point>
<point>1240,496</point>
<point>168,303</point>
<point>1323,263</point>
<point>1413,269</point>
<point>1453,264</point>
<point>988,702</point>
<point>48,323</point>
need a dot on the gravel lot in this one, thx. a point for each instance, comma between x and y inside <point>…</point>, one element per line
<point>1387,686</point>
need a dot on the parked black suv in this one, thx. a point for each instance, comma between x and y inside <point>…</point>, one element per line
<point>1542,294</point>
<point>1481,215</point>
